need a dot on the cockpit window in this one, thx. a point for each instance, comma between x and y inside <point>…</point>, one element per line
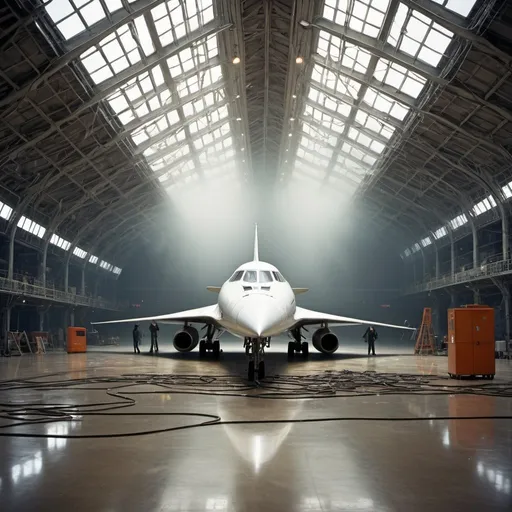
<point>279,277</point>
<point>251,276</point>
<point>265,276</point>
<point>236,276</point>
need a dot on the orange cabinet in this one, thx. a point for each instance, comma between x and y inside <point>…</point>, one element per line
<point>77,340</point>
<point>471,341</point>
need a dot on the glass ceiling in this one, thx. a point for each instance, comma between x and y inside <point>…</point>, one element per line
<point>349,120</point>
<point>176,111</point>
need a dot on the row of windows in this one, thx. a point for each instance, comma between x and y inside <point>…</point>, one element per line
<point>257,276</point>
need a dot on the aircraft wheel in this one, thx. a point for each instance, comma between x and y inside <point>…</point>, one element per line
<point>291,349</point>
<point>202,348</point>
<point>216,349</point>
<point>250,371</point>
<point>304,348</point>
<point>261,370</point>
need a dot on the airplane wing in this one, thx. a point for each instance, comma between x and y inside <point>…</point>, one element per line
<point>206,315</point>
<point>308,317</point>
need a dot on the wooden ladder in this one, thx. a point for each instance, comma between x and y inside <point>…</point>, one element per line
<point>425,342</point>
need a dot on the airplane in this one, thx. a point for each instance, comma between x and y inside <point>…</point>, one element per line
<point>255,303</point>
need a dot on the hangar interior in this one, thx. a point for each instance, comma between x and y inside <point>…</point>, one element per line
<point>140,140</point>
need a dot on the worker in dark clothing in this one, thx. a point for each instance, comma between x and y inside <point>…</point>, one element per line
<point>137,335</point>
<point>153,328</point>
<point>370,336</point>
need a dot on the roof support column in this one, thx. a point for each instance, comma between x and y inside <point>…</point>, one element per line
<point>504,235</point>
<point>452,255</point>
<point>437,260</point>
<point>66,269</point>
<point>475,245</point>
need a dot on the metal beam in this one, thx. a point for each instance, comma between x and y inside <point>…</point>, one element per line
<point>266,8</point>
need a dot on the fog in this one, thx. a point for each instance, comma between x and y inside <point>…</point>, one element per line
<point>316,238</point>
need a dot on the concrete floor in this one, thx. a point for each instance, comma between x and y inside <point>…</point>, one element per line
<point>343,466</point>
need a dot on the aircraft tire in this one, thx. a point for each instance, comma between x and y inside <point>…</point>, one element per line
<point>202,348</point>
<point>216,349</point>
<point>261,370</point>
<point>291,349</point>
<point>250,371</point>
<point>304,348</point>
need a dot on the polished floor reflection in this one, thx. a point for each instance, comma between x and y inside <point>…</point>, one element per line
<point>361,465</point>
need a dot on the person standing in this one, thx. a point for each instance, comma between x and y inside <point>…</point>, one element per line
<point>136,339</point>
<point>370,335</point>
<point>153,329</point>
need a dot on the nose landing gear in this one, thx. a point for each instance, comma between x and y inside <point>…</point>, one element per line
<point>297,345</point>
<point>255,349</point>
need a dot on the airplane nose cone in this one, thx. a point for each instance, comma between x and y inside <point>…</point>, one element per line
<point>258,315</point>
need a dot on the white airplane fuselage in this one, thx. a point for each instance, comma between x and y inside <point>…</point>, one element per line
<point>256,302</point>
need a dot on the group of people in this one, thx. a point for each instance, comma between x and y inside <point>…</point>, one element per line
<point>137,337</point>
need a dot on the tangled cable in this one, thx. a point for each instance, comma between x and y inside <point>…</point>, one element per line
<point>122,389</point>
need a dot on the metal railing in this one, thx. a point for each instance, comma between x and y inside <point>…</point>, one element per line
<point>485,271</point>
<point>25,289</point>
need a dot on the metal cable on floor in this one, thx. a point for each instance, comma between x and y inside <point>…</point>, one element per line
<point>123,389</point>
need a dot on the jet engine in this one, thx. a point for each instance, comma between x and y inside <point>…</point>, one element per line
<point>325,341</point>
<point>186,339</point>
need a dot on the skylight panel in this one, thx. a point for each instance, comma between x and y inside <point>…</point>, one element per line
<point>363,139</point>
<point>104,264</point>
<point>60,242</point>
<point>209,119</point>
<point>462,7</point>
<point>315,133</point>
<point>426,241</point>
<point>507,190</point>
<point>118,51</point>
<point>419,36</point>
<point>31,227</point>
<point>407,253</point>
<point>485,205</point>
<point>439,233</point>
<point>199,81</point>
<point>5,211</point>
<point>385,104</point>
<point>168,142</point>
<point>316,147</point>
<point>79,252</point>
<point>152,128</point>
<point>190,58</point>
<point>336,10</point>
<point>368,16</point>
<point>416,247</point>
<point>324,120</point>
<point>93,260</point>
<point>354,152</point>
<point>117,271</point>
<point>399,78</point>
<point>328,102</point>
<point>334,81</point>
<point>458,221</point>
<point>350,169</point>
<point>310,170</point>
<point>375,125</point>
<point>169,158</point>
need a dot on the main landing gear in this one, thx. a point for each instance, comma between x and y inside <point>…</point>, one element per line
<point>255,349</point>
<point>210,343</point>
<point>297,345</point>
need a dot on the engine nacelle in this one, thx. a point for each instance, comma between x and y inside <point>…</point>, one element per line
<point>325,341</point>
<point>186,339</point>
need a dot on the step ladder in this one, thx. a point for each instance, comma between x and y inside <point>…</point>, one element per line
<point>425,342</point>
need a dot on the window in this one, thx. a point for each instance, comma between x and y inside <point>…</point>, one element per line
<point>60,242</point>
<point>251,276</point>
<point>31,227</point>
<point>93,259</point>
<point>79,252</point>
<point>442,231</point>
<point>278,277</point>
<point>236,276</point>
<point>117,271</point>
<point>5,211</point>
<point>484,206</point>
<point>458,221</point>
<point>426,242</point>
<point>265,276</point>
